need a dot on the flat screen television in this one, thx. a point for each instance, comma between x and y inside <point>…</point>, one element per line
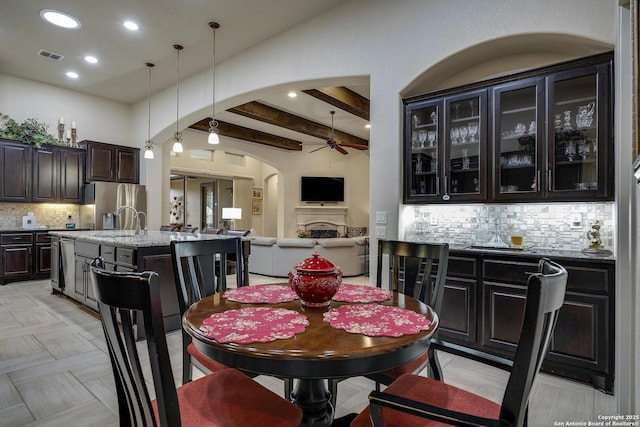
<point>321,189</point>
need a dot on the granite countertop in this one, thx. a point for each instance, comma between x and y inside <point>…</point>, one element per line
<point>535,252</point>
<point>18,229</point>
<point>127,238</point>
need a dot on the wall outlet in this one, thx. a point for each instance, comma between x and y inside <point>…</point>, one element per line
<point>575,220</point>
<point>381,232</point>
<point>381,217</point>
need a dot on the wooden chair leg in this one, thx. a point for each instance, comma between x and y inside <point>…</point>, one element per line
<point>333,389</point>
<point>434,370</point>
<point>187,368</point>
<point>288,388</point>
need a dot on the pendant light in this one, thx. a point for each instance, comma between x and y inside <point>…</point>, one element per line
<point>214,138</point>
<point>177,136</point>
<point>148,144</point>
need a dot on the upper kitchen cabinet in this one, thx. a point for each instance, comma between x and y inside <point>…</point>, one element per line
<point>57,174</point>
<point>540,135</point>
<point>445,149</point>
<point>519,161</point>
<point>580,134</point>
<point>114,163</point>
<point>15,174</point>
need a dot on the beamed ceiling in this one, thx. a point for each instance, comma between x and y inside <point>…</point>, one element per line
<point>349,105</point>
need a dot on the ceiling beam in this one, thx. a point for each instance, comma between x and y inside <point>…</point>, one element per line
<point>265,113</point>
<point>239,132</point>
<point>342,98</point>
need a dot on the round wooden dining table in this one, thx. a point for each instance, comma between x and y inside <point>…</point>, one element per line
<point>318,353</point>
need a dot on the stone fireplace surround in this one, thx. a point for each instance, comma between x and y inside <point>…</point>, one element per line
<point>322,221</point>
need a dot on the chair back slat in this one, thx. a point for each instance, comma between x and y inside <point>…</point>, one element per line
<point>120,296</point>
<point>545,296</point>
<point>411,269</point>
<point>199,268</point>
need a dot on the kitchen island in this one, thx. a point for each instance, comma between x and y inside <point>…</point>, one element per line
<point>121,250</point>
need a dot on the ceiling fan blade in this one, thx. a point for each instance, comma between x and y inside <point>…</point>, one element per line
<point>313,151</point>
<point>356,146</point>
<point>340,149</point>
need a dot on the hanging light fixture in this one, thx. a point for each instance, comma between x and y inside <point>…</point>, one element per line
<point>214,138</point>
<point>148,144</point>
<point>177,136</point>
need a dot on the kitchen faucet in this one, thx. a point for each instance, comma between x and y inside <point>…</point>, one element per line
<point>137,214</point>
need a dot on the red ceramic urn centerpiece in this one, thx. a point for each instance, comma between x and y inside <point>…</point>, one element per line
<point>315,281</point>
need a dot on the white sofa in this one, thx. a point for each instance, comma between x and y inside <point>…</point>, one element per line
<point>277,257</point>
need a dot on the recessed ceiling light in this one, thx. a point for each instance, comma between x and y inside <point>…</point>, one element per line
<point>131,26</point>
<point>91,59</point>
<point>367,126</point>
<point>292,94</point>
<point>72,75</point>
<point>60,19</point>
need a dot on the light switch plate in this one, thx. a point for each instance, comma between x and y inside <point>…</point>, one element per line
<point>381,217</point>
<point>381,232</point>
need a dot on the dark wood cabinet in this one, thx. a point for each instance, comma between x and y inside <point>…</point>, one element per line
<point>43,253</point>
<point>57,175</point>
<point>483,307</point>
<point>539,135</point>
<point>107,162</point>
<point>71,175</point>
<point>16,256</point>
<point>459,301</point>
<point>15,172</point>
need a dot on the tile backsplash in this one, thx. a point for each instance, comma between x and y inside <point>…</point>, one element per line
<point>49,215</point>
<point>541,225</point>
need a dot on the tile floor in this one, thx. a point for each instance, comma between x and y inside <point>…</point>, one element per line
<point>54,369</point>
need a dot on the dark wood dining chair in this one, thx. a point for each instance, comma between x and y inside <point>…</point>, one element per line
<point>199,271</point>
<point>188,229</point>
<point>168,228</point>
<point>223,398</point>
<point>414,400</point>
<point>418,270</point>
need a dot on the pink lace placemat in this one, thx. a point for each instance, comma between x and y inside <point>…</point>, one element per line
<point>254,324</point>
<point>267,294</point>
<point>376,320</point>
<point>361,293</point>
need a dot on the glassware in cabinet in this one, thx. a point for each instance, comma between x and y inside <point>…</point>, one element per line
<point>518,159</point>
<point>580,115</point>
<point>422,151</point>
<point>465,153</point>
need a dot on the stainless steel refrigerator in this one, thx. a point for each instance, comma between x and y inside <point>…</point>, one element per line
<point>103,198</point>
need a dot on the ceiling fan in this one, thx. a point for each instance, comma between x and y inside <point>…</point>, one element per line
<point>338,145</point>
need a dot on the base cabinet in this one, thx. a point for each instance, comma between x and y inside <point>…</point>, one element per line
<point>459,301</point>
<point>83,287</point>
<point>16,256</point>
<point>486,312</point>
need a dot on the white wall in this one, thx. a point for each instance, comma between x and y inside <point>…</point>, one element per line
<point>390,45</point>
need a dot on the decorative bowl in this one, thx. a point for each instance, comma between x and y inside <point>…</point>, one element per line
<point>315,281</point>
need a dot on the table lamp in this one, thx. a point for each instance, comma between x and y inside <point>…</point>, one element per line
<point>229,215</point>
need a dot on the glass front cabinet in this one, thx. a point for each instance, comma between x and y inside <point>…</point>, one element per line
<point>541,135</point>
<point>446,144</point>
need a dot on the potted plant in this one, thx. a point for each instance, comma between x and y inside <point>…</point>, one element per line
<point>30,131</point>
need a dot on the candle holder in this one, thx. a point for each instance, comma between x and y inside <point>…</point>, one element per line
<point>74,137</point>
<point>60,133</point>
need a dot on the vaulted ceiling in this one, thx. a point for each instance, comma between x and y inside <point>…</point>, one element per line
<point>275,120</point>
